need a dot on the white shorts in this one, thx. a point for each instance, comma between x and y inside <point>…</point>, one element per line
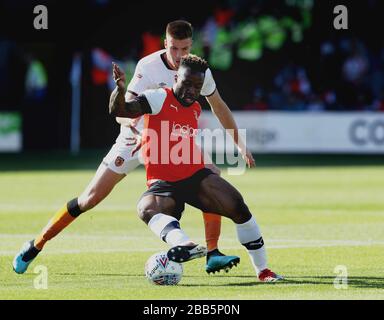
<point>119,159</point>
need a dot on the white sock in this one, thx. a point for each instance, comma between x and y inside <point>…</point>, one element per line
<point>167,228</point>
<point>249,236</point>
<point>176,237</point>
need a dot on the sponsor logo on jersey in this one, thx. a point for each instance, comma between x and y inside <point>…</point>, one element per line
<point>162,84</point>
<point>139,75</point>
<point>185,131</point>
<point>119,161</point>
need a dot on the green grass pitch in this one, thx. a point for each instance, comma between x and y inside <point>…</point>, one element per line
<point>312,220</point>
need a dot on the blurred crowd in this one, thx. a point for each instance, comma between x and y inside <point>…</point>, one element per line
<point>265,55</point>
<point>349,77</point>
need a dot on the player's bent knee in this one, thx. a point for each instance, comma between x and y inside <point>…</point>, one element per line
<point>242,213</point>
<point>145,213</point>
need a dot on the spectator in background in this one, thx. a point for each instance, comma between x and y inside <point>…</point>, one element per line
<point>258,101</point>
<point>355,67</point>
<point>330,100</point>
<point>223,15</point>
<point>315,103</point>
<point>36,80</point>
<point>354,92</point>
<point>293,88</point>
<point>376,77</point>
<point>218,38</point>
<point>209,33</point>
<point>151,43</point>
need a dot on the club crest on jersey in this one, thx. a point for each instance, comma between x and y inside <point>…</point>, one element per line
<point>119,161</point>
<point>196,115</point>
<point>163,261</point>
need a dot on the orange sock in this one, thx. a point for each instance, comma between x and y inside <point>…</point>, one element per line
<point>61,219</point>
<point>212,223</point>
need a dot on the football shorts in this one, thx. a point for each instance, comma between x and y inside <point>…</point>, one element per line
<point>182,191</point>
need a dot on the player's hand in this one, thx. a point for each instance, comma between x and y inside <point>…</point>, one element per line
<point>118,76</point>
<point>248,158</point>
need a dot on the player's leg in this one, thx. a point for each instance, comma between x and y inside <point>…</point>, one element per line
<point>100,186</point>
<point>216,260</point>
<point>98,189</point>
<point>162,213</point>
<point>113,169</point>
<point>219,196</point>
<point>212,226</point>
<point>212,222</point>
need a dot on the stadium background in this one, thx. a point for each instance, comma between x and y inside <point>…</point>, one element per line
<point>265,56</point>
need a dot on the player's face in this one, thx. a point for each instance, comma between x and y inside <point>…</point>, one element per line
<point>188,86</point>
<point>176,49</point>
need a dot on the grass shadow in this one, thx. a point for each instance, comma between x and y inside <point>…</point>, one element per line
<point>355,281</point>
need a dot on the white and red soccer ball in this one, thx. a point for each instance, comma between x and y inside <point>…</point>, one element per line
<point>160,270</point>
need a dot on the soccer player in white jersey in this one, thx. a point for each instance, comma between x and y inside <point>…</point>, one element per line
<point>156,70</point>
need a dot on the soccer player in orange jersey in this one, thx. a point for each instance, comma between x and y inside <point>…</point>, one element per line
<point>180,176</point>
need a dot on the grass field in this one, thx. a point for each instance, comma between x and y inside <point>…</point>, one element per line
<point>312,219</point>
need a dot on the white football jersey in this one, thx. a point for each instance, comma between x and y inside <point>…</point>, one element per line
<point>153,72</point>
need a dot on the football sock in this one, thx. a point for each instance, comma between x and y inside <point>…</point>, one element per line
<point>250,237</point>
<point>31,253</point>
<point>61,219</point>
<point>212,224</point>
<point>168,229</point>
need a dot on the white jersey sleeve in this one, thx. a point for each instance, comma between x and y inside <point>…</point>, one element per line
<point>155,98</point>
<point>140,80</point>
<point>209,85</point>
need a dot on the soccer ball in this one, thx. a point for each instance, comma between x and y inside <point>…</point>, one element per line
<point>161,271</point>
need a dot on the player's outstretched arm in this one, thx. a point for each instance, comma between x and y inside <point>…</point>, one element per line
<point>224,115</point>
<point>117,104</point>
<point>117,98</point>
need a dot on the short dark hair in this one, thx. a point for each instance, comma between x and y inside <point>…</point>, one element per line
<point>179,29</point>
<point>195,63</point>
